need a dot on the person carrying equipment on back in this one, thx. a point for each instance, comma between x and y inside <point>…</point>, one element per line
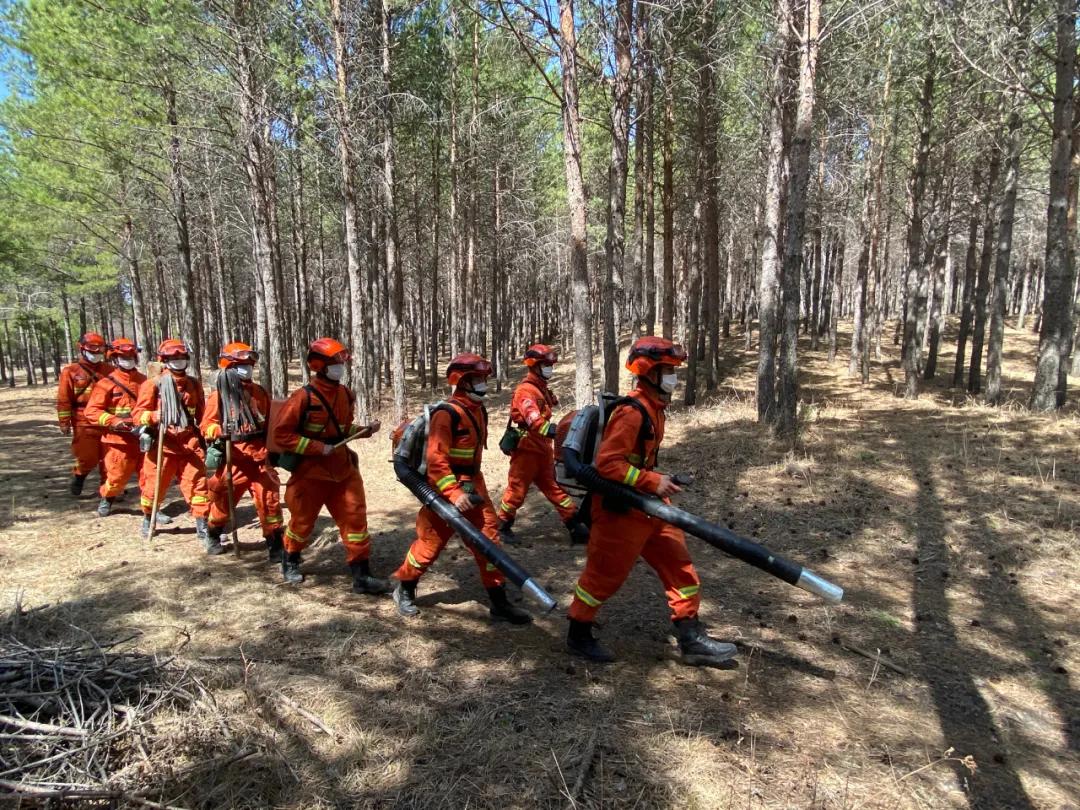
<point>311,424</point>
<point>457,435</point>
<point>72,394</point>
<point>628,454</point>
<point>246,410</point>
<point>532,461</point>
<point>171,407</point>
<point>111,403</point>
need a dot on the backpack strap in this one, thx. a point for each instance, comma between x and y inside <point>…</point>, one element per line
<point>647,429</point>
<point>120,385</point>
<point>329,411</point>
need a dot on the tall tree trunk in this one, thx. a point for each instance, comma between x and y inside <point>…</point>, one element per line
<point>575,195</point>
<point>710,236</point>
<point>358,301</point>
<point>393,264</point>
<point>668,195</point>
<point>1014,147</point>
<point>808,17</point>
<point>131,257</point>
<point>636,303</point>
<point>917,280</point>
<point>188,322</point>
<point>769,281</point>
<point>982,284</point>
<point>614,244</point>
<point>436,194</point>
<point>1055,334</point>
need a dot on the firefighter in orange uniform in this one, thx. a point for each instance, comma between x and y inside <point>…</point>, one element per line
<point>533,460</point>
<point>111,402</point>
<point>72,394</point>
<point>457,435</point>
<point>250,471</point>
<point>310,423</point>
<point>627,454</point>
<point>182,452</point>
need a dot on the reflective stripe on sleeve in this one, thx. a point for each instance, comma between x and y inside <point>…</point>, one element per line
<point>302,444</point>
<point>446,482</point>
<point>632,476</point>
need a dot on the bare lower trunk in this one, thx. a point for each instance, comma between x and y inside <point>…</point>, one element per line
<point>575,193</point>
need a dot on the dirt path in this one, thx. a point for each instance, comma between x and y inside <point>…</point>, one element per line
<point>952,527</point>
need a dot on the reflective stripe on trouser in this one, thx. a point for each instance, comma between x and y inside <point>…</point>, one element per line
<point>120,464</point>
<point>87,450</point>
<point>248,476</point>
<point>344,500</point>
<point>528,468</point>
<point>615,543</point>
<point>189,469</point>
<point>432,534</point>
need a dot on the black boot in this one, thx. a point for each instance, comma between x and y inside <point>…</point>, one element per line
<point>405,598</point>
<point>506,531</point>
<point>290,567</point>
<point>503,611</point>
<point>697,648</point>
<point>77,482</point>
<point>275,544</point>
<point>105,506</point>
<point>579,532</point>
<point>580,641</point>
<point>210,537</point>
<point>364,582</point>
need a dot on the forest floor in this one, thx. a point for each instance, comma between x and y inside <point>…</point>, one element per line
<point>952,527</point>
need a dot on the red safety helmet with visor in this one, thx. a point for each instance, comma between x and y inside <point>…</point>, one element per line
<point>326,352</point>
<point>540,354</point>
<point>465,365</point>
<point>237,354</point>
<point>649,352</point>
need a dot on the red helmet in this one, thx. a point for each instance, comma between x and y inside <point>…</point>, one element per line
<point>93,342</point>
<point>237,354</point>
<point>649,352</point>
<point>541,355</point>
<point>123,347</point>
<point>326,352</point>
<point>467,365</point>
<point>172,348</point>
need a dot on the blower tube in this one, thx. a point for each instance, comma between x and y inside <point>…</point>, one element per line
<point>473,537</point>
<point>717,536</point>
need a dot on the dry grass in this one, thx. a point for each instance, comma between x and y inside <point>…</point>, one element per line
<point>951,525</point>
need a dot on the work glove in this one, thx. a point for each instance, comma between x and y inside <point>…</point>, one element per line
<point>125,426</point>
<point>328,449</point>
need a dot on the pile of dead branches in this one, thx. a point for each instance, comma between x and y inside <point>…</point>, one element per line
<point>76,717</point>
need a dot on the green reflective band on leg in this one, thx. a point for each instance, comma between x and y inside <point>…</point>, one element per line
<point>586,597</point>
<point>689,591</point>
<point>199,499</point>
<point>507,508</point>
<point>359,538</point>
<point>294,536</point>
<point>411,560</point>
<point>566,502</point>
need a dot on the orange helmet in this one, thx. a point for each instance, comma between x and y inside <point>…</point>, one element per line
<point>326,352</point>
<point>93,342</point>
<point>465,365</point>
<point>123,347</point>
<point>237,354</point>
<point>172,348</point>
<point>649,352</point>
<point>540,354</point>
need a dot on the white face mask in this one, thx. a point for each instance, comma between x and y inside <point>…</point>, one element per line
<point>244,372</point>
<point>94,357</point>
<point>547,371</point>
<point>478,392</point>
<point>668,382</point>
<point>126,363</point>
<point>177,365</point>
<point>335,372</point>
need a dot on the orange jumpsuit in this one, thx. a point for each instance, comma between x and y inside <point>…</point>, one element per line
<point>183,454</point>
<point>454,456</point>
<point>250,472</point>
<point>72,394</point>
<point>332,481</point>
<point>618,539</point>
<point>533,462</point>
<point>111,403</point>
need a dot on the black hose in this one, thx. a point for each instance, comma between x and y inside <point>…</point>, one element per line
<point>470,535</point>
<point>717,536</point>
